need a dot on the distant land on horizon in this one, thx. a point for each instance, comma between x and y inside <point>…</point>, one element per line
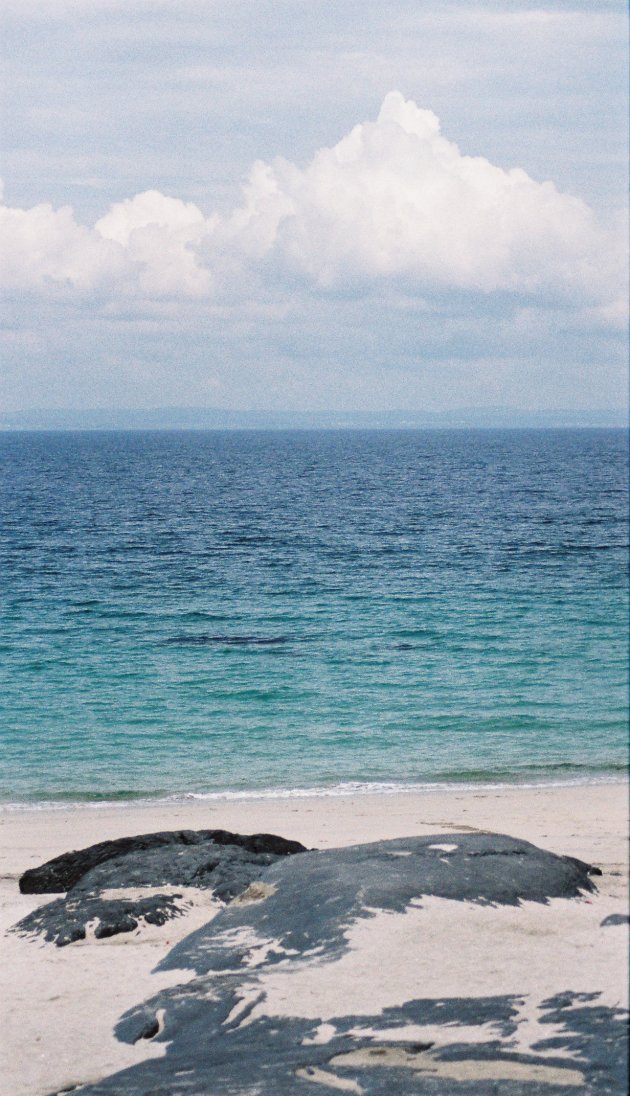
<point>210,418</point>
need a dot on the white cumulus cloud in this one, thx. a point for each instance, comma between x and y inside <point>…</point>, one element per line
<point>44,247</point>
<point>396,199</point>
<point>156,233</point>
<point>393,201</point>
<point>141,245</point>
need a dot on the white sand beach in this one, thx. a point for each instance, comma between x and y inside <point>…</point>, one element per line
<point>60,1005</point>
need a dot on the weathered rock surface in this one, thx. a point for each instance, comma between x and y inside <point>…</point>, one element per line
<point>616,919</point>
<point>65,871</point>
<point>223,1037</point>
<point>66,920</point>
<point>316,896</point>
<point>213,1050</point>
<point>214,860</point>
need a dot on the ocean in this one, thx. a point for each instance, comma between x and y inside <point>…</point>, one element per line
<point>259,613</point>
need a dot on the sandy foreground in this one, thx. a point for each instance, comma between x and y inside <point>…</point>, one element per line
<point>59,1005</point>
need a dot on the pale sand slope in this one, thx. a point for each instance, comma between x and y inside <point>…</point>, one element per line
<point>59,1005</point>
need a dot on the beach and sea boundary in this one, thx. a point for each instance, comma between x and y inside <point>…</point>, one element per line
<point>390,648</point>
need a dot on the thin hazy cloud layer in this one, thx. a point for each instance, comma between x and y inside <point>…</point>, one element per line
<point>393,203</point>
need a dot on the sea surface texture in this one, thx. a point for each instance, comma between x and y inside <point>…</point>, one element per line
<point>227,612</point>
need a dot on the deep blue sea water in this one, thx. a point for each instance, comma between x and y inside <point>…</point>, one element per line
<point>209,612</point>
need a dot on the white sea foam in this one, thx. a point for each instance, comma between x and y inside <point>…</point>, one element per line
<point>347,789</point>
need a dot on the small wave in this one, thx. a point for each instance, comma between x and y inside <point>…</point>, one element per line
<point>345,789</point>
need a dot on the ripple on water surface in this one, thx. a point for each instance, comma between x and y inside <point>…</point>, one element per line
<point>222,613</point>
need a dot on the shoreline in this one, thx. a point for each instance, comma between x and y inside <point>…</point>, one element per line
<point>567,812</point>
<point>343,790</point>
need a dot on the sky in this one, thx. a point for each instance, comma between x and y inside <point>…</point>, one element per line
<point>292,205</point>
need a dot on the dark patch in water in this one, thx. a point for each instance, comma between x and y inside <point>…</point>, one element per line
<point>227,641</point>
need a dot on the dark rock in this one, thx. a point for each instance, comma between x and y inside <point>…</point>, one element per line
<point>214,860</point>
<point>317,895</point>
<point>64,921</point>
<point>615,919</point>
<point>296,910</point>
<point>225,869</point>
<point>63,872</point>
<point>208,1054</point>
<point>216,1045</point>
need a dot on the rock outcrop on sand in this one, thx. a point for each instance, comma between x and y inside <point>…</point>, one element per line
<point>225,863</point>
<point>262,1007</point>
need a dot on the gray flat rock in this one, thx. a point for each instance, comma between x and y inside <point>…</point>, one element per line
<point>317,895</point>
<point>213,860</point>
<point>296,916</point>
<point>64,872</point>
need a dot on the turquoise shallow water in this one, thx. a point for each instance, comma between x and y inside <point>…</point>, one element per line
<point>220,612</point>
